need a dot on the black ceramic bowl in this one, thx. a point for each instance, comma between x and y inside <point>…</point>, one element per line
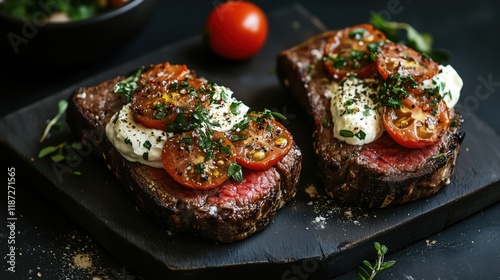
<point>59,45</point>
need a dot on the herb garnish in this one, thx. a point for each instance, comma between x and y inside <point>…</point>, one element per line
<point>439,155</point>
<point>128,86</point>
<point>234,171</point>
<point>349,134</point>
<point>394,89</point>
<point>377,267</point>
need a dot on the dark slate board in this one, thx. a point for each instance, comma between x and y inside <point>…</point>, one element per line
<point>311,236</point>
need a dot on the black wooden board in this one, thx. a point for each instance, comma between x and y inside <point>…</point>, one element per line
<point>311,236</point>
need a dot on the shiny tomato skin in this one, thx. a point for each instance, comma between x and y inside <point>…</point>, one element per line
<point>187,163</point>
<point>346,52</point>
<point>416,124</point>
<point>264,143</point>
<point>237,29</point>
<point>165,88</point>
<point>153,123</point>
<point>397,59</point>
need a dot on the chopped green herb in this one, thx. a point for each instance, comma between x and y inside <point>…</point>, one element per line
<point>346,133</point>
<point>360,135</point>
<point>349,134</point>
<point>325,123</point>
<point>147,145</point>
<point>128,86</point>
<point>453,122</point>
<point>440,155</point>
<point>234,171</point>
<point>187,139</point>
<point>145,156</point>
<point>357,33</point>
<point>235,108</point>
<point>199,168</point>
<point>127,141</point>
<point>394,90</point>
<point>235,138</point>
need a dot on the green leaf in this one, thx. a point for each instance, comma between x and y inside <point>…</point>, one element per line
<point>346,133</point>
<point>362,274</point>
<point>47,151</point>
<point>234,171</point>
<point>57,157</point>
<point>76,145</point>
<point>383,249</point>
<point>387,264</point>
<point>368,264</point>
<point>377,267</point>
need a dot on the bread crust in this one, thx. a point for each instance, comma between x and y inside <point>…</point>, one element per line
<point>348,172</point>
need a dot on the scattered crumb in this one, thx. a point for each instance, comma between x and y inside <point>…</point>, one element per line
<point>319,222</point>
<point>430,243</point>
<point>311,191</point>
<point>326,209</point>
<point>348,213</point>
<point>82,261</point>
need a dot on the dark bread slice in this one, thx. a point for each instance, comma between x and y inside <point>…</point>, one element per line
<point>374,175</point>
<point>230,212</point>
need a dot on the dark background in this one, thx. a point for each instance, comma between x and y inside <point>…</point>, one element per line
<point>468,29</point>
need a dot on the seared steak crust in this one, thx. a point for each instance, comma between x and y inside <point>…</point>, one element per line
<point>375,175</point>
<point>226,213</point>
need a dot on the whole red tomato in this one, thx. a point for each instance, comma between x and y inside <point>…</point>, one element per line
<point>237,29</point>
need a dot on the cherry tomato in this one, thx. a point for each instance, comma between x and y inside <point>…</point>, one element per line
<point>395,59</point>
<point>262,144</point>
<point>165,90</point>
<point>347,51</point>
<point>419,122</point>
<point>194,167</point>
<point>237,29</point>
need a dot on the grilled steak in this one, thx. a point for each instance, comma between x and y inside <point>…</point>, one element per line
<point>375,175</point>
<point>227,213</point>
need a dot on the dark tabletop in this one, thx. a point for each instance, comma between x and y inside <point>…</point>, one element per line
<point>54,247</point>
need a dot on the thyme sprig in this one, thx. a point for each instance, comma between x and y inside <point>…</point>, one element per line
<point>378,266</point>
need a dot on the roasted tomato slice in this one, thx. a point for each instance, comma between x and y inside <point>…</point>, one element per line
<point>420,122</point>
<point>165,90</point>
<point>262,144</point>
<point>348,51</point>
<point>196,160</point>
<point>395,59</point>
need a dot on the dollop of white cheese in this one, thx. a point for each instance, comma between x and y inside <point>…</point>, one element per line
<point>449,84</point>
<point>225,111</point>
<point>138,143</point>
<point>356,116</point>
<point>134,141</point>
